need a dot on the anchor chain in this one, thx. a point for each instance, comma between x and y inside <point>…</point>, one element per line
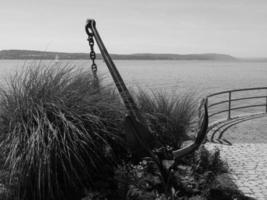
<point>92,55</point>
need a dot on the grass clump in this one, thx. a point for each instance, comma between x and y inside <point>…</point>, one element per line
<point>170,118</point>
<point>57,132</point>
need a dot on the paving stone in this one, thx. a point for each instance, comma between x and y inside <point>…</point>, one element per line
<point>248,165</point>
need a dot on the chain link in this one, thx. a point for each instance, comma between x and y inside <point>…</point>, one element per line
<point>92,54</point>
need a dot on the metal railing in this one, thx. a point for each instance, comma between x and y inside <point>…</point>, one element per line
<point>229,99</point>
<point>236,106</point>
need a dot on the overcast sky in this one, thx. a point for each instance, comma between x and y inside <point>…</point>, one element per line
<point>236,27</point>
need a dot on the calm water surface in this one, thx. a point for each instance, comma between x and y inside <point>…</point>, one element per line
<point>202,77</point>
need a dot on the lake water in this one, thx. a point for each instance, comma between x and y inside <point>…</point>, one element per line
<point>202,77</point>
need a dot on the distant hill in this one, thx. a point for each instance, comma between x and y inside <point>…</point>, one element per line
<point>253,59</point>
<point>30,54</point>
<point>206,56</point>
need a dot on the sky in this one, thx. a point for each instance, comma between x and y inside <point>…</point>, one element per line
<point>235,27</point>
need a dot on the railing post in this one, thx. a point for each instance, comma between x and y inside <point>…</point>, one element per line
<point>229,104</point>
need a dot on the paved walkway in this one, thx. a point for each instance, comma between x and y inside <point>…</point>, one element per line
<point>248,164</point>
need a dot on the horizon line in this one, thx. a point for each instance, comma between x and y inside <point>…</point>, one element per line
<point>134,53</point>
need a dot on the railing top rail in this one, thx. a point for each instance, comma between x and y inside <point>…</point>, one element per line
<point>236,99</point>
<point>236,90</point>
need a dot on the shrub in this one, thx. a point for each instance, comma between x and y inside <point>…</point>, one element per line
<point>193,178</point>
<point>57,132</point>
<point>201,176</point>
<point>205,160</point>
